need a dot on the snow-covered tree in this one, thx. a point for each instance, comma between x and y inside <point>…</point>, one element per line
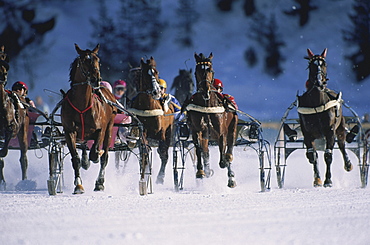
<point>187,16</point>
<point>359,35</point>
<point>302,10</point>
<point>264,32</point>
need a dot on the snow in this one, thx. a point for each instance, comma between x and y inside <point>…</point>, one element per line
<point>210,213</point>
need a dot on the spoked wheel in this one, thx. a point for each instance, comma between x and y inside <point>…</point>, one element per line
<point>55,182</point>
<point>179,159</point>
<point>146,183</point>
<point>364,168</point>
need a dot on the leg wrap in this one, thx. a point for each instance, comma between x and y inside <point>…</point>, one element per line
<point>311,155</point>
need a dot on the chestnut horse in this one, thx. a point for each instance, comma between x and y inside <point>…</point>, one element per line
<point>320,115</point>
<point>86,115</point>
<point>12,124</point>
<point>158,121</point>
<point>210,119</point>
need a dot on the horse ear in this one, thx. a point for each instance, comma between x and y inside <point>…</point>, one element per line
<point>96,49</point>
<point>142,61</point>
<point>210,56</point>
<point>196,56</point>
<point>79,51</point>
<point>310,54</point>
<point>323,54</point>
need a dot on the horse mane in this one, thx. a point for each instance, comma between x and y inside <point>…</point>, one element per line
<point>72,69</point>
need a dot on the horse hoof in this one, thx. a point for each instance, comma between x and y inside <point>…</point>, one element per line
<point>99,187</point>
<point>229,157</point>
<point>348,166</point>
<point>79,189</point>
<point>231,183</point>
<point>317,182</point>
<point>2,185</point>
<point>223,164</point>
<point>200,174</point>
<point>328,183</point>
<point>160,180</point>
<point>85,165</point>
<point>209,172</point>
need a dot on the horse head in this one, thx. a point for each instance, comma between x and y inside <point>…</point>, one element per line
<point>317,69</point>
<point>204,73</point>
<point>85,69</point>
<point>4,66</point>
<point>149,78</point>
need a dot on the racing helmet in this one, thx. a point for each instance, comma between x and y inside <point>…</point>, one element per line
<point>19,85</point>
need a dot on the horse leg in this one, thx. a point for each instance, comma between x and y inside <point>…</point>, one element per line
<point>85,161</point>
<point>163,153</point>
<point>340,133</point>
<point>224,159</point>
<point>95,152</point>
<point>328,156</point>
<point>2,179</point>
<point>23,144</point>
<point>76,161</point>
<point>311,155</point>
<point>4,150</point>
<point>99,184</point>
<point>201,154</point>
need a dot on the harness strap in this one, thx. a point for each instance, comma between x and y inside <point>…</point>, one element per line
<point>203,109</point>
<point>322,108</point>
<point>146,113</point>
<point>81,115</point>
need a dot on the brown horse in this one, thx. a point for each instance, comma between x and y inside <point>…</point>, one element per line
<point>86,115</point>
<point>157,121</point>
<point>12,124</point>
<point>210,119</point>
<point>320,115</point>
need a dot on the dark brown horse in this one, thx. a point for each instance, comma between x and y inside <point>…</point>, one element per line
<point>86,116</point>
<point>320,115</point>
<point>12,124</point>
<point>210,119</point>
<point>157,121</point>
<point>183,85</point>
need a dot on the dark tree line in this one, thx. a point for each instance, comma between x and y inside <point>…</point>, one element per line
<point>133,33</point>
<point>358,35</point>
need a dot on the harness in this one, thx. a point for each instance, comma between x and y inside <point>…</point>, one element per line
<point>332,103</point>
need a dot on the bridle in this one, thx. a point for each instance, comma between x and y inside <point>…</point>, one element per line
<point>319,79</point>
<point>88,74</point>
<point>155,89</point>
<point>204,66</point>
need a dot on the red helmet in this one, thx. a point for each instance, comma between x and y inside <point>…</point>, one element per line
<point>217,83</point>
<point>119,83</point>
<point>18,85</point>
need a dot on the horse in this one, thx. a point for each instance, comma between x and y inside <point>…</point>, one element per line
<point>86,115</point>
<point>209,118</point>
<point>320,116</point>
<point>157,118</point>
<point>12,123</point>
<point>183,85</point>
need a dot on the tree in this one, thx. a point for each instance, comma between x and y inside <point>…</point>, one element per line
<point>359,35</point>
<point>187,16</point>
<point>303,11</point>
<point>22,27</point>
<point>135,32</point>
<point>249,7</point>
<point>264,32</point>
